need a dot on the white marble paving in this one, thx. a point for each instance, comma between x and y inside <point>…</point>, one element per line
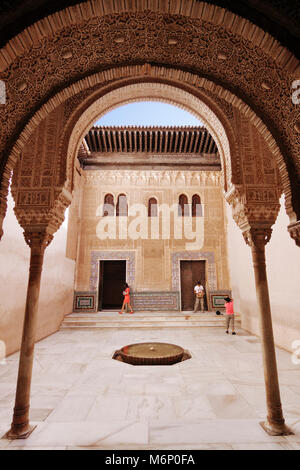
<point>81,398</point>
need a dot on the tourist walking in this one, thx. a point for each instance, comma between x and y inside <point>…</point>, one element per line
<point>126,302</point>
<point>229,314</point>
<point>199,296</point>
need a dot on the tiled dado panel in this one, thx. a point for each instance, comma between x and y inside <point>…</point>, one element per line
<point>155,301</point>
<point>207,256</point>
<point>85,302</point>
<point>97,256</point>
<point>217,299</point>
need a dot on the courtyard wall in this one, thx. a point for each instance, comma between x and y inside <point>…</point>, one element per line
<point>56,286</point>
<point>283,261</point>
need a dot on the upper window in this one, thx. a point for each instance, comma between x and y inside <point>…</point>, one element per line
<point>122,206</point>
<point>183,206</point>
<point>109,205</point>
<point>196,206</point>
<point>152,207</point>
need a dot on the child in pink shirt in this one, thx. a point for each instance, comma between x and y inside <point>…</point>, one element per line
<point>229,314</point>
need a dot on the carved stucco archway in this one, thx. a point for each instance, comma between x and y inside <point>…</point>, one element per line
<point>153,91</point>
<point>208,101</point>
<point>74,15</point>
<point>213,42</point>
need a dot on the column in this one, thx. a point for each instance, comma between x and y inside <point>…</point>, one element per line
<point>20,428</point>
<point>274,425</point>
<point>2,215</point>
<point>1,226</point>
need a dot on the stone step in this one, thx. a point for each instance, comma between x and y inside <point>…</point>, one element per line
<point>111,315</point>
<point>148,320</point>
<point>135,318</point>
<point>142,325</point>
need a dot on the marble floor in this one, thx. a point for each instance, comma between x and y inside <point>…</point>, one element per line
<point>82,399</point>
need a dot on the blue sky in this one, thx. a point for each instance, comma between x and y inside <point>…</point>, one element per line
<point>148,113</point>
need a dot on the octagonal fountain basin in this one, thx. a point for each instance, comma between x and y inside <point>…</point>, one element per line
<point>151,354</point>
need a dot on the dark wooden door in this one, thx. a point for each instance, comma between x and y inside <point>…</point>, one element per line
<point>190,273</point>
<point>111,284</point>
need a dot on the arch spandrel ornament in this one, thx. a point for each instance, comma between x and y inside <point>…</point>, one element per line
<point>91,10</point>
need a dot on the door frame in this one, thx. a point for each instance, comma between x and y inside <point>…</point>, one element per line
<point>100,277</point>
<point>111,255</point>
<point>206,280</point>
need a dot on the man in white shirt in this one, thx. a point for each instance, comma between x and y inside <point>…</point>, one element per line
<point>199,296</point>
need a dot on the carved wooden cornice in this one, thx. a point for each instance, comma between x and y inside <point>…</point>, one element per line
<point>159,140</point>
<point>142,161</point>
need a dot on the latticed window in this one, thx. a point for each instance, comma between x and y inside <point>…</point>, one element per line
<point>109,205</point>
<point>196,206</point>
<point>183,206</point>
<point>122,206</point>
<point>152,207</point>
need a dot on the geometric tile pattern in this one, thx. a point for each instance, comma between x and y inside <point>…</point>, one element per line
<point>84,302</point>
<point>217,298</point>
<point>155,301</point>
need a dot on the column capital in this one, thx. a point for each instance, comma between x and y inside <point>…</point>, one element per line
<point>253,207</point>
<point>39,239</point>
<point>257,236</point>
<point>45,218</point>
<point>294,231</point>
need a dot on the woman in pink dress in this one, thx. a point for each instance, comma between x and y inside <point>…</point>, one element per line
<point>126,302</point>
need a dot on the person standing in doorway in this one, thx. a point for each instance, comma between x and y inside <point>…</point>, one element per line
<point>126,302</point>
<point>199,296</point>
<point>229,314</point>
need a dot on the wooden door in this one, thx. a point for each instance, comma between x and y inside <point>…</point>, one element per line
<point>111,284</point>
<point>190,273</point>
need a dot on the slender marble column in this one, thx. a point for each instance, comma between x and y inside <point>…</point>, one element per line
<point>20,428</point>
<point>274,424</point>
<point>1,223</point>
